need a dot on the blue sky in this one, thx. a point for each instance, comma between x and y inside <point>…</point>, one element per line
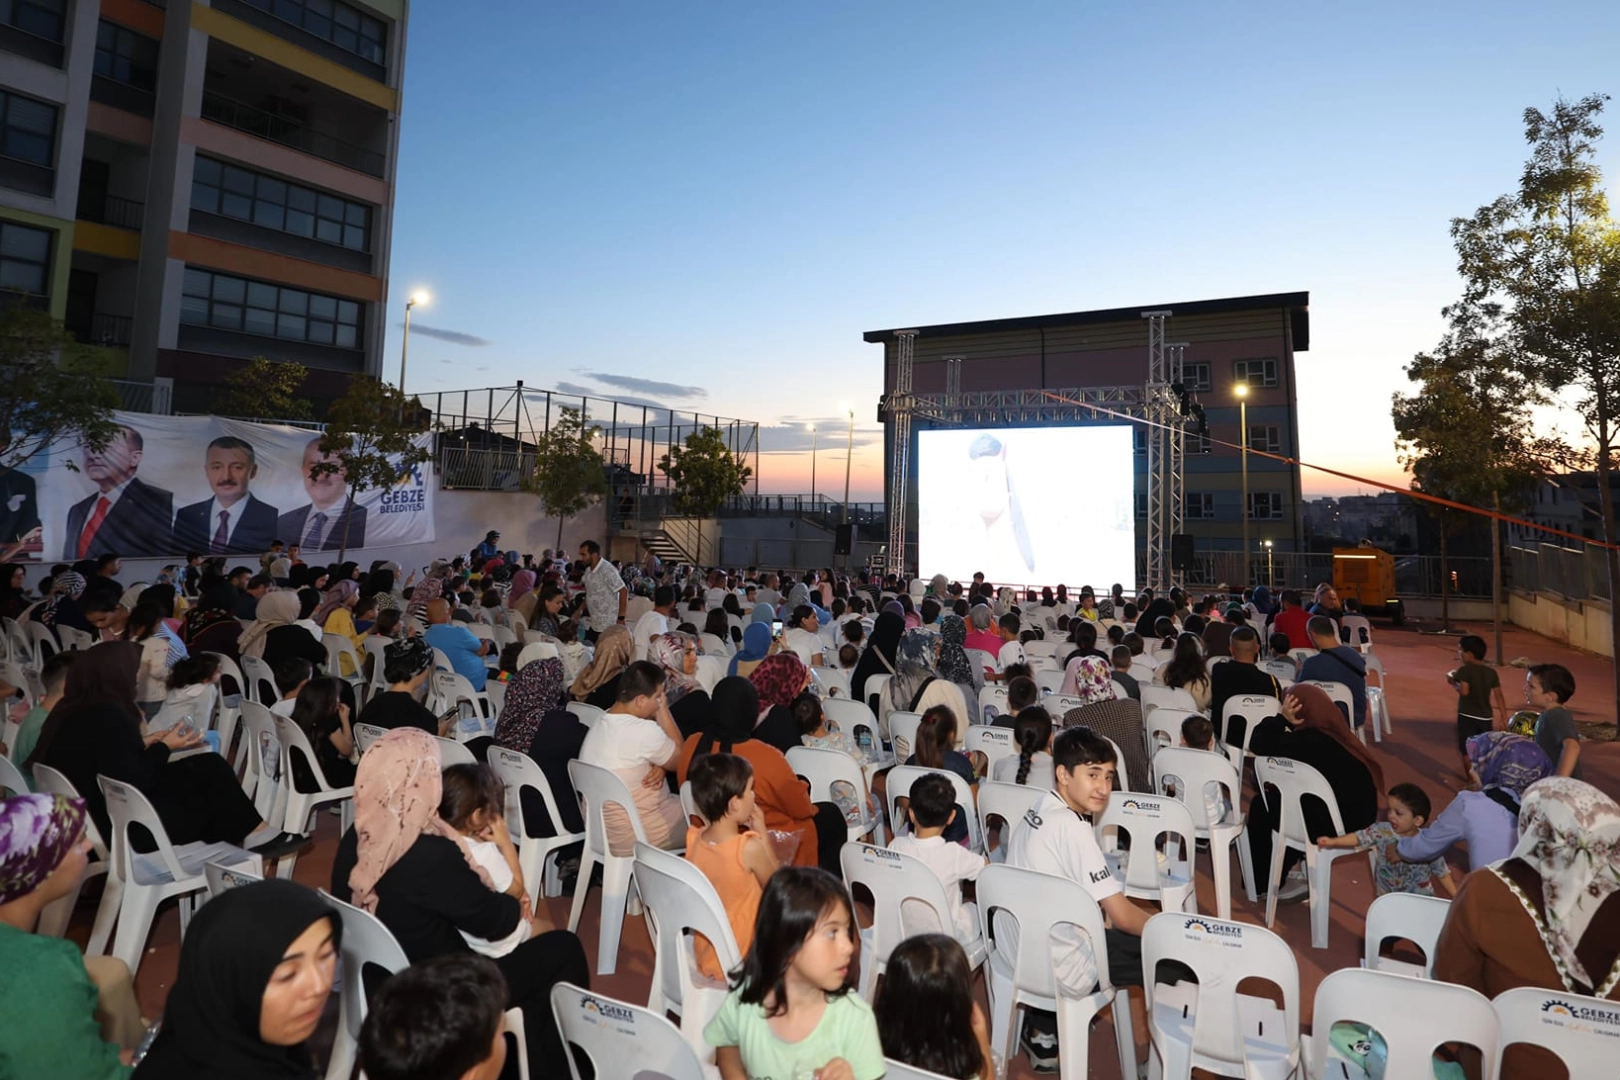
<point>722,196</point>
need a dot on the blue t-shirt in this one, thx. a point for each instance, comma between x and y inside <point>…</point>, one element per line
<point>459,644</point>
<point>1340,664</point>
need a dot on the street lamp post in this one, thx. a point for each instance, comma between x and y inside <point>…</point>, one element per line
<point>1267,543</point>
<point>1242,392</point>
<point>418,297</point>
<point>812,468</point>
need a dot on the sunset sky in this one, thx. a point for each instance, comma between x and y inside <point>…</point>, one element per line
<point>705,205</point>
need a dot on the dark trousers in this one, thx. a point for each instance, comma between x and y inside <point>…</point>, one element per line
<point>831,834</point>
<point>531,970</point>
<point>199,798</point>
<point>1263,818</point>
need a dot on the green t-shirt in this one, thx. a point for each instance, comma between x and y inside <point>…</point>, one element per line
<point>847,1030</point>
<point>50,1027</point>
<point>27,736</point>
<point>1481,680</point>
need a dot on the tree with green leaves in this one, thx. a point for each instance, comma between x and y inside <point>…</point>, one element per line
<point>568,473</point>
<point>265,388</point>
<point>54,389</point>
<point>370,439</point>
<point>1545,260</point>
<point>704,473</point>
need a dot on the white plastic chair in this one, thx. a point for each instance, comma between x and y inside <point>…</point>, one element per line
<point>994,743</point>
<point>263,747</point>
<point>1560,1024</point>
<point>1020,974</point>
<point>453,752</point>
<point>992,701</point>
<point>1155,696</point>
<point>1300,654</point>
<point>14,675</point>
<point>230,706</point>
<point>907,899</point>
<point>42,644</point>
<point>588,714</point>
<point>875,687</point>
<point>1193,770</point>
<point>366,734</point>
<point>338,647</point>
<point>222,878</point>
<point>261,681</point>
<point>597,787</point>
<point>374,646</point>
<point>895,1070</point>
<point>1145,818</point>
<point>1340,693</point>
<point>1208,1024</point>
<point>681,903</point>
<point>821,769</point>
<point>1293,781</point>
<point>48,781</point>
<point>832,681</point>
<point>903,727</point>
<point>301,805</point>
<point>984,660</point>
<point>1009,802</point>
<point>901,777</point>
<point>1253,708</point>
<point>537,855</point>
<point>454,691</point>
<point>1414,1016</point>
<point>12,779</point>
<point>849,715</point>
<point>609,1031</point>
<point>694,816</point>
<point>1162,728</point>
<point>1049,680</point>
<point>1410,917</point>
<point>1142,671</point>
<point>1355,630</point>
<point>148,880</point>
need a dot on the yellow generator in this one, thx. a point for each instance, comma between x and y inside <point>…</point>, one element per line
<point>1368,575</point>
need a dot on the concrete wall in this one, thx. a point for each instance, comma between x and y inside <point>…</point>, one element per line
<point>1583,624</point>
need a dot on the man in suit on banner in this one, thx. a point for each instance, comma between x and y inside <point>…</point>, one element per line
<point>234,521</point>
<point>125,516</point>
<point>319,524</point>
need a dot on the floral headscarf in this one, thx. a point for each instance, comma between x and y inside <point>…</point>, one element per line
<point>778,679</point>
<point>913,667</point>
<point>1504,760</point>
<point>953,658</point>
<point>1569,833</point>
<point>422,595</point>
<point>36,834</point>
<point>396,800</point>
<point>1089,678</point>
<point>537,689</point>
<point>668,651</point>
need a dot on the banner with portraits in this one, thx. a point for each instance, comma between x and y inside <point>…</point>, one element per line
<point>169,485</point>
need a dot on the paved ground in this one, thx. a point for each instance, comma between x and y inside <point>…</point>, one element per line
<point>1421,750</point>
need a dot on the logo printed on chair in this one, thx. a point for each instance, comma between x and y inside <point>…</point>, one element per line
<point>1558,1007</point>
<point>607,1009</point>
<point>871,851</point>
<point>1144,805</point>
<point>1213,929</point>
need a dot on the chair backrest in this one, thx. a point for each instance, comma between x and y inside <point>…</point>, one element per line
<point>1414,1017</point>
<point>689,806</point>
<point>1253,708</point>
<point>1059,704</point>
<point>12,779</point>
<point>1162,728</point>
<point>441,661</point>
<point>597,787</point>
<point>1294,780</point>
<point>1355,630</point>
<point>1410,917</point>
<point>1141,672</point>
<point>992,700</point>
<point>452,752</point>
<point>903,727</point>
<point>13,675</point>
<point>292,738</point>
<point>49,781</point>
<point>822,768</point>
<point>1222,954</point>
<point>1037,904</point>
<point>1579,1030</point>
<point>994,743</point>
<point>366,734</point>
<point>127,806</point>
<point>901,777</point>
<point>338,646</point>
<point>588,714</point>
<point>547,647</point>
<point>517,771</point>
<point>1280,669</point>
<point>1193,769</point>
<point>1144,818</point>
<point>453,690</point>
<point>1339,692</point>
<point>1299,654</point>
<point>222,878</point>
<point>261,681</point>
<point>259,727</point>
<point>374,647</point>
<point>1049,680</point>
<point>895,1070</point>
<point>907,897</point>
<point>833,681</point>
<point>610,1031</point>
<point>875,686</point>
<point>850,714</point>
<point>1009,802</point>
<point>482,631</point>
<point>983,660</point>
<point>42,644</point>
<point>683,902</point>
<point>1155,696</point>
<point>366,942</point>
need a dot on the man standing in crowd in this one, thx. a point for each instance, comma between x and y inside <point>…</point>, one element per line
<point>605,594</point>
<point>234,521</point>
<point>124,515</point>
<point>330,520</point>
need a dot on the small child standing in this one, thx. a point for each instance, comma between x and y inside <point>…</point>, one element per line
<point>1548,687</point>
<point>1479,693</point>
<point>931,809</point>
<point>790,1012</point>
<point>733,851</point>
<point>472,803</point>
<point>1408,812</point>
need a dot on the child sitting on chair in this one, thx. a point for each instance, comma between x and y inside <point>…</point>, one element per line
<point>932,808</point>
<point>733,850</point>
<point>1197,733</point>
<point>473,803</point>
<point>1408,812</point>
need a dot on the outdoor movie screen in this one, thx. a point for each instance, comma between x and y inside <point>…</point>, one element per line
<point>1036,506</point>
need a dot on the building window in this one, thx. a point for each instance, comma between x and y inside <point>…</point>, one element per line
<point>232,191</point>
<point>1265,505</point>
<point>334,21</point>
<point>125,56</point>
<point>27,129</point>
<point>25,259</point>
<point>1198,504</point>
<point>39,18</point>
<point>1266,438</point>
<point>1257,373</point>
<point>1196,377</point>
<point>253,307</point>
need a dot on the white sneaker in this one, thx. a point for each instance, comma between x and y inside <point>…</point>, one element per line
<point>1293,889</point>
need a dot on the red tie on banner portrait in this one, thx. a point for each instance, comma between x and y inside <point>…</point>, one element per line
<point>88,537</point>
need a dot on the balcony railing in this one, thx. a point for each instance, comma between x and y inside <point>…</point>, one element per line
<point>109,330</point>
<point>113,210</point>
<point>290,133</point>
<point>154,397</point>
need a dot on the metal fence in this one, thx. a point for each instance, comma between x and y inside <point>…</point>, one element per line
<point>146,397</point>
<point>1573,573</point>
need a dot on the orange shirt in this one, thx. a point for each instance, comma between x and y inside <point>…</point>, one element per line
<point>737,887</point>
<point>783,798</point>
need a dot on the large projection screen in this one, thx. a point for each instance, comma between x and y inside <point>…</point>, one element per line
<point>1036,506</point>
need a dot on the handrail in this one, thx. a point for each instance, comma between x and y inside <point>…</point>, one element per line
<point>289,132</point>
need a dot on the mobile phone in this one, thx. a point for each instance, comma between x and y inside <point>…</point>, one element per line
<point>453,714</point>
<point>776,628</point>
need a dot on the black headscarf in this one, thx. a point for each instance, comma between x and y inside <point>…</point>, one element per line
<point>878,659</point>
<point>211,1020</point>
<point>736,711</point>
<point>99,678</point>
<point>1160,608</point>
<point>13,602</point>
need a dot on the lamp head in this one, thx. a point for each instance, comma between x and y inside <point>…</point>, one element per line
<point>1241,389</point>
<point>420,296</point>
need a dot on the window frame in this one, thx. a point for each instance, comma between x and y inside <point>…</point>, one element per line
<point>57,8</point>
<point>1206,506</point>
<point>1271,442</point>
<point>1189,379</point>
<point>125,37</point>
<point>44,266</point>
<point>260,200</point>
<point>1242,373</point>
<point>234,303</point>
<point>343,26</point>
<point>1274,502</point>
<point>7,96</point>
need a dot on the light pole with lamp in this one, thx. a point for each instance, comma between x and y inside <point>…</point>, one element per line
<point>1242,392</point>
<point>420,296</point>
<point>1267,544</point>
<point>813,468</point>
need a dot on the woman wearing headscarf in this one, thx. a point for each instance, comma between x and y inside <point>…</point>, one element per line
<point>1547,916</point>
<point>954,663</point>
<point>522,584</point>
<point>676,655</point>
<point>95,730</point>
<point>1159,607</point>
<point>431,588</point>
<point>536,721</point>
<point>275,614</point>
<point>598,682</point>
<point>778,680</point>
<point>211,625</point>
<point>882,646</point>
<point>1312,730</point>
<point>335,615</point>
<point>756,646</point>
<point>13,591</point>
<point>1118,718</point>
<point>1486,815</point>
<point>256,970</point>
<point>403,864</point>
<point>62,608</point>
<point>781,795</point>
<point>52,1000</point>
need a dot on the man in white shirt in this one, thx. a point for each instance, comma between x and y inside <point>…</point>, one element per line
<point>1054,838</point>
<point>605,594</point>
<point>767,592</point>
<point>715,595</point>
<point>654,622</point>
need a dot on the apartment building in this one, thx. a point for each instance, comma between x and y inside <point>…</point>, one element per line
<point>188,185</point>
